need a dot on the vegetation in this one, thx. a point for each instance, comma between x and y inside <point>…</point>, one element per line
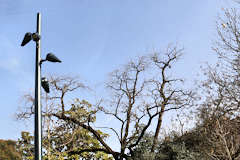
<point>141,93</point>
<point>8,150</point>
<point>62,139</point>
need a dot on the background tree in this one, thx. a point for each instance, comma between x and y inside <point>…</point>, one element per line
<point>8,150</point>
<point>219,110</point>
<point>216,134</point>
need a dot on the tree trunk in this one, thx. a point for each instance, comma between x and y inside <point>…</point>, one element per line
<point>159,124</point>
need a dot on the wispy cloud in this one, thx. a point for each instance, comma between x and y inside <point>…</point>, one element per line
<point>10,64</point>
<point>8,59</point>
<point>11,61</point>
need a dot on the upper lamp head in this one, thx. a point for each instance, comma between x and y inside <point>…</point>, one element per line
<point>30,36</point>
<point>27,38</point>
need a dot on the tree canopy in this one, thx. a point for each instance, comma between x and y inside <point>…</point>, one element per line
<point>8,150</point>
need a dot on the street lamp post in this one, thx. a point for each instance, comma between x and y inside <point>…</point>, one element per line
<point>37,109</point>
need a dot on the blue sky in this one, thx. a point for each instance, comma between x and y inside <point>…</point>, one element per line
<point>94,37</point>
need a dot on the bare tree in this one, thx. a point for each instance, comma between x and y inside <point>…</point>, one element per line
<point>166,91</point>
<point>141,91</point>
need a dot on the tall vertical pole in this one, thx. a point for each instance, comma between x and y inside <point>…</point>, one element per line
<point>38,113</point>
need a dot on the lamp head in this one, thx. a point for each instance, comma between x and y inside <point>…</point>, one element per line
<point>45,84</point>
<point>27,38</point>
<point>36,37</point>
<point>52,58</point>
<point>30,36</point>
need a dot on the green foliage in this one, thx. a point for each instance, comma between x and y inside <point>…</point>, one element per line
<point>64,137</point>
<point>25,145</point>
<point>67,136</point>
<point>8,150</point>
<point>176,151</point>
<point>173,148</point>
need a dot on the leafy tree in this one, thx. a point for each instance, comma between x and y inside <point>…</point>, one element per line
<point>62,139</point>
<point>25,145</point>
<point>8,150</point>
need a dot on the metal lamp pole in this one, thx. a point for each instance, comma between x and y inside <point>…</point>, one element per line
<point>38,82</point>
<point>37,108</point>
